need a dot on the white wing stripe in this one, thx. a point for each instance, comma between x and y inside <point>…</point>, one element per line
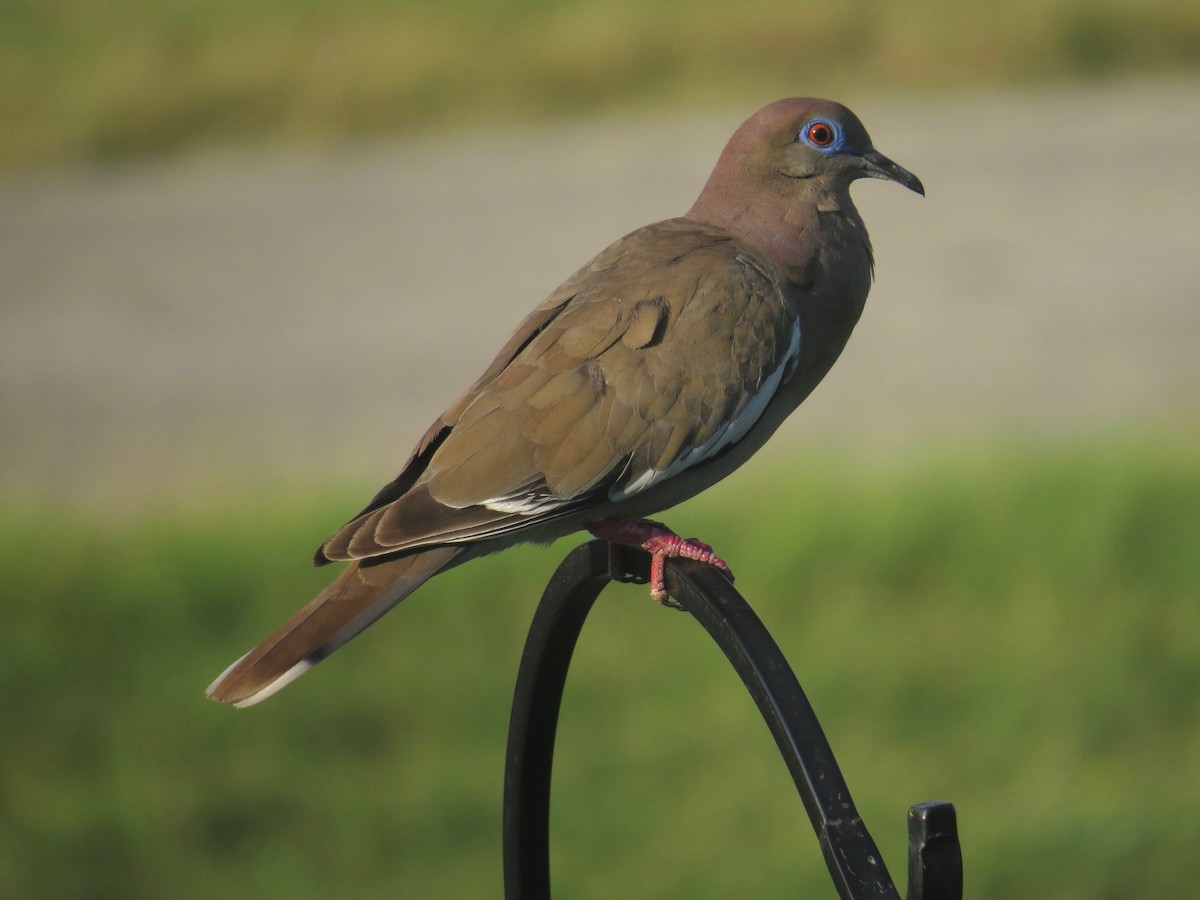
<point>523,505</point>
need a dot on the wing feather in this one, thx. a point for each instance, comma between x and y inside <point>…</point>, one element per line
<point>598,395</point>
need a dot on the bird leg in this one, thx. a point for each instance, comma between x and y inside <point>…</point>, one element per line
<point>661,543</point>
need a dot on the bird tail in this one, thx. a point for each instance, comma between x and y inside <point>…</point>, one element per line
<point>359,596</point>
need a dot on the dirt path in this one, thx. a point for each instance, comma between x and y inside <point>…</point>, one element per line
<point>313,313</point>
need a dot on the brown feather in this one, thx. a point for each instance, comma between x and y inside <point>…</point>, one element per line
<point>359,596</point>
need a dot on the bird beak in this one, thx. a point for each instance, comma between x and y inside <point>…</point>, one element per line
<point>876,165</point>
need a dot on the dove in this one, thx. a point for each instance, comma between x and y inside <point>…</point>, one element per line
<point>652,373</point>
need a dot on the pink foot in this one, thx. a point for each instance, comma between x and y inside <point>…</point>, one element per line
<point>661,543</point>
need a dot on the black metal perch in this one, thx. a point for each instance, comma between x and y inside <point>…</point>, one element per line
<point>855,864</point>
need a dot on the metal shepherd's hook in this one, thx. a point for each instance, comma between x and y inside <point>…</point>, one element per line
<point>855,864</point>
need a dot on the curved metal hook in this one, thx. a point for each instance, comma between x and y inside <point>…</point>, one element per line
<point>854,862</point>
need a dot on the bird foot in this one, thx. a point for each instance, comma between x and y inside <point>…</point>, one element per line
<point>661,543</point>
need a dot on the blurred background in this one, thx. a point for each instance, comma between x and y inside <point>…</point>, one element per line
<point>248,250</point>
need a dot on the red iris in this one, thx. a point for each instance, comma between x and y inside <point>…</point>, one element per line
<point>820,134</point>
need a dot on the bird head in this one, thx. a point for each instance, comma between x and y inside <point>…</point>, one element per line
<point>788,161</point>
<point>790,150</point>
<point>804,139</point>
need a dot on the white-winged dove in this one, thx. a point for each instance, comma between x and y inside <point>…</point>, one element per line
<point>653,372</point>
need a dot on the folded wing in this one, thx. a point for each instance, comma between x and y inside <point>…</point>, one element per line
<point>597,395</point>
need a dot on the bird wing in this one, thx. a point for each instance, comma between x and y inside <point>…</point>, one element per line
<point>657,356</point>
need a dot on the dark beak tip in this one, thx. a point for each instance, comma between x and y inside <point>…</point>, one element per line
<point>904,178</point>
<point>879,166</point>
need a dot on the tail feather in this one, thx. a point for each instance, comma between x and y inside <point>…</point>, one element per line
<point>359,596</point>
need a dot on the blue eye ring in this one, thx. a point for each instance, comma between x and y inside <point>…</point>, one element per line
<point>822,134</point>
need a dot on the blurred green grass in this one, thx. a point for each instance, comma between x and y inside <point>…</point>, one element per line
<point>96,81</point>
<point>1015,629</point>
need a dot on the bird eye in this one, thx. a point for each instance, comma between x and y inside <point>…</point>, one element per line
<point>819,134</point>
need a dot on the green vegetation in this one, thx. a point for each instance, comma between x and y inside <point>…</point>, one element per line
<point>88,81</point>
<point>1015,630</point>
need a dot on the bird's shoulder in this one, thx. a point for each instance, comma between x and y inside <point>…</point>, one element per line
<point>666,254</point>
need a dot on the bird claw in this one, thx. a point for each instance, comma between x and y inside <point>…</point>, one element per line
<point>662,544</point>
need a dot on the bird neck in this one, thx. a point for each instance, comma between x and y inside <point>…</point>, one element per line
<point>781,226</point>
